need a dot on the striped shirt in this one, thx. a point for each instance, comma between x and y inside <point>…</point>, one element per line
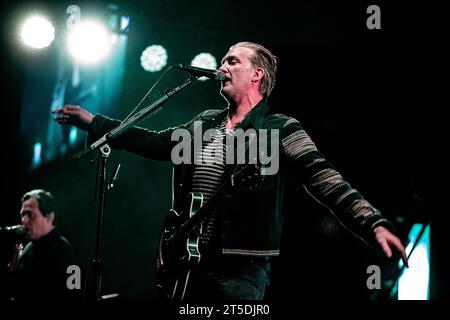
<point>207,178</point>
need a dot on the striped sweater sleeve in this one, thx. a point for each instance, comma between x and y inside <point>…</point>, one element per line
<point>155,145</point>
<point>327,185</point>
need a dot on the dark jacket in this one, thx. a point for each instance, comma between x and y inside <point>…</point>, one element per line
<point>41,270</point>
<point>253,212</point>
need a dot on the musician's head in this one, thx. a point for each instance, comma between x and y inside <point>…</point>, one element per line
<point>38,213</point>
<point>248,66</point>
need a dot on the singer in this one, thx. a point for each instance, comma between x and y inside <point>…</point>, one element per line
<point>241,221</point>
<point>40,271</point>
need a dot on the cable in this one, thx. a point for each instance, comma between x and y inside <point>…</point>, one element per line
<point>148,93</point>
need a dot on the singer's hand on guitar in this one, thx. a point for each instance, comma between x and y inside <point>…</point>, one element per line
<point>73,115</point>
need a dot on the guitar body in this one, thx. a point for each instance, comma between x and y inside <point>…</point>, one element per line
<point>178,251</point>
<point>178,254</point>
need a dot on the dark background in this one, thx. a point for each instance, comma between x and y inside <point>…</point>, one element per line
<point>366,97</point>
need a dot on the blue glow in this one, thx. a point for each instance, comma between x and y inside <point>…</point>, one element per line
<point>124,23</point>
<point>53,80</point>
<point>37,155</point>
<point>414,282</point>
<point>63,148</point>
<point>73,135</point>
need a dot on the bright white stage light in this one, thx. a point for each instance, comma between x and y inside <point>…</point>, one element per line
<point>89,42</point>
<point>37,32</point>
<point>204,60</point>
<point>154,58</point>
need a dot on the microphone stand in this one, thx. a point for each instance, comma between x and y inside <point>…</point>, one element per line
<point>104,149</point>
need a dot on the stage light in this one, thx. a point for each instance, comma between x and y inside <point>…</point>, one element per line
<point>204,60</point>
<point>73,135</point>
<point>37,155</point>
<point>414,283</point>
<point>154,58</point>
<point>89,42</point>
<point>37,32</point>
<point>124,23</point>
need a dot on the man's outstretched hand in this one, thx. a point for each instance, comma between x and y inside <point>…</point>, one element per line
<point>73,115</point>
<point>388,241</point>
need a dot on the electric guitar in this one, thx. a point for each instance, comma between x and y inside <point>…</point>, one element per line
<point>178,250</point>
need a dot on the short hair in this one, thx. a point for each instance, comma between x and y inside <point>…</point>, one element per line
<point>44,198</point>
<point>262,58</point>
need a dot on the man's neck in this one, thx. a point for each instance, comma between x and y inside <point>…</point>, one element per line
<point>44,234</point>
<point>237,112</point>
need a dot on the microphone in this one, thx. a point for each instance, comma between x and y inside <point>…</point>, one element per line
<point>201,72</point>
<point>18,229</point>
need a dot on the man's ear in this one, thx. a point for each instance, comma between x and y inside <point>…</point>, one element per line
<point>51,217</point>
<point>258,74</point>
